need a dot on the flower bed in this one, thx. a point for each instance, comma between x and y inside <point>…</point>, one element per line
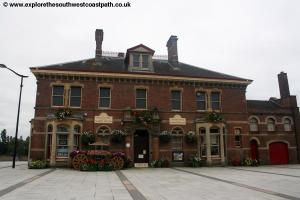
<point>37,164</point>
<point>99,160</point>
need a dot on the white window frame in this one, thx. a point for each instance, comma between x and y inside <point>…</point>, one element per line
<point>63,96</point>
<point>70,96</point>
<point>99,106</point>
<point>146,99</point>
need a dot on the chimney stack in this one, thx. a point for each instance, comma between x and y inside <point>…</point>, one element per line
<point>99,39</point>
<point>283,85</point>
<point>172,49</point>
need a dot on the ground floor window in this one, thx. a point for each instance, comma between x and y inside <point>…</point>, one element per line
<point>62,145</point>
<point>62,141</point>
<point>49,144</point>
<point>202,141</point>
<point>177,139</point>
<point>215,141</point>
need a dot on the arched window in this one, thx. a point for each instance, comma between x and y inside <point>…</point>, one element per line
<point>77,130</point>
<point>177,139</point>
<point>253,124</point>
<point>271,124</point>
<point>103,134</point>
<point>50,128</point>
<point>62,141</point>
<point>202,132</point>
<point>287,124</point>
<point>237,137</point>
<point>215,141</point>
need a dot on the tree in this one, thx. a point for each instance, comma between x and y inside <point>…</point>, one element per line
<point>3,136</point>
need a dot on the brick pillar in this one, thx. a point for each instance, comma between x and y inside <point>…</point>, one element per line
<point>155,148</point>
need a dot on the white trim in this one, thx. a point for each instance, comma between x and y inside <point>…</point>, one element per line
<point>277,140</point>
<point>256,139</point>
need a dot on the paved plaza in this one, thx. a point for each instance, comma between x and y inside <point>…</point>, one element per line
<point>265,182</point>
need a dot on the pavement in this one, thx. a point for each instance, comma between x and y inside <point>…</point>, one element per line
<point>264,182</point>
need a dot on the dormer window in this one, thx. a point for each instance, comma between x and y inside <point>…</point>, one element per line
<point>140,60</point>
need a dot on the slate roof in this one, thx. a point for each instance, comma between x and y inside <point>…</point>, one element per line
<point>117,65</point>
<point>260,106</point>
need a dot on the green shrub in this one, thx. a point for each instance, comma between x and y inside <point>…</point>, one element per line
<point>37,164</point>
<point>250,162</point>
<point>194,161</point>
<point>160,163</point>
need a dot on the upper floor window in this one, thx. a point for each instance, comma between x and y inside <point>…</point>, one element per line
<point>215,100</point>
<point>176,99</point>
<point>237,137</point>
<point>104,99</point>
<point>287,124</point>
<point>75,96</point>
<point>58,96</point>
<point>271,124</point>
<point>201,100</point>
<point>141,98</point>
<point>253,124</point>
<point>140,60</point>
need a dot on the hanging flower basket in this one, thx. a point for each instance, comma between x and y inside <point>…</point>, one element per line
<point>143,117</point>
<point>190,137</point>
<point>165,136</point>
<point>62,114</point>
<point>87,137</point>
<point>214,117</point>
<point>117,136</point>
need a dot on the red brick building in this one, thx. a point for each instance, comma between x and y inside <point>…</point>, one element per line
<point>144,97</point>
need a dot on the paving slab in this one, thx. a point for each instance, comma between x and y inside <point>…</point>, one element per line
<point>72,185</point>
<point>10,177</point>
<point>153,184</point>
<point>278,183</point>
<point>172,184</point>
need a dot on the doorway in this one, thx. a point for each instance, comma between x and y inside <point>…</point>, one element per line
<point>279,153</point>
<point>254,150</point>
<point>141,146</point>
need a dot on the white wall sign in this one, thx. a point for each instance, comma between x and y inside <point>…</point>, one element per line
<point>177,120</point>
<point>103,118</point>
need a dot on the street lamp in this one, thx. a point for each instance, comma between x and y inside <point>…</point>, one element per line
<point>17,125</point>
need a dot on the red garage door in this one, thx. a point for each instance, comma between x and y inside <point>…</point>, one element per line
<point>278,153</point>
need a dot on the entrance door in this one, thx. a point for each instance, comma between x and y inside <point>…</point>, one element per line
<point>141,146</point>
<point>254,150</point>
<point>278,152</point>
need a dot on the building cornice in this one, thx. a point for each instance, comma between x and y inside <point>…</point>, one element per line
<point>138,76</point>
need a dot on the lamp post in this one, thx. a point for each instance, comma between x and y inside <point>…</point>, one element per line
<point>17,125</point>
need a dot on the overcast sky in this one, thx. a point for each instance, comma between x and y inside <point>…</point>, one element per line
<point>253,39</point>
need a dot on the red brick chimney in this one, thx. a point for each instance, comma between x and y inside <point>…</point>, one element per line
<point>283,85</point>
<point>99,39</point>
<point>172,49</point>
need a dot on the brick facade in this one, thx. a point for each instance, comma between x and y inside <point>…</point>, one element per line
<point>234,108</point>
